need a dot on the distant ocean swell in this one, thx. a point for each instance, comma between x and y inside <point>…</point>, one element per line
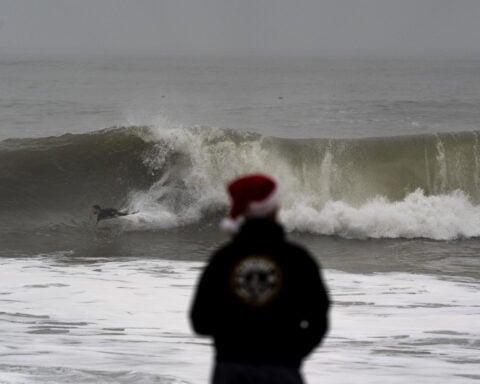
<point>409,186</point>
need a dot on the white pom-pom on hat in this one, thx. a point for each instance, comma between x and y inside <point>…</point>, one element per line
<point>230,226</point>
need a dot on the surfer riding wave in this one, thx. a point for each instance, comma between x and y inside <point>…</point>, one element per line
<point>106,213</point>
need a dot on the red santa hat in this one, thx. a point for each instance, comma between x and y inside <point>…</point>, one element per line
<point>254,195</point>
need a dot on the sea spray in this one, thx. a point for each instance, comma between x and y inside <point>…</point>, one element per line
<point>195,164</point>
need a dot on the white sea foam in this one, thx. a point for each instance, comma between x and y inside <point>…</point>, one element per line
<point>103,322</point>
<point>441,217</point>
<point>123,321</point>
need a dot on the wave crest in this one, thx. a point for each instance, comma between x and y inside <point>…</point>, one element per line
<point>410,186</point>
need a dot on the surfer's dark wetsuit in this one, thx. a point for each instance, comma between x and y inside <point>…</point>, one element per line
<point>106,213</point>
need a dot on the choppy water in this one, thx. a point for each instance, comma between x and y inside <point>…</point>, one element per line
<point>379,165</point>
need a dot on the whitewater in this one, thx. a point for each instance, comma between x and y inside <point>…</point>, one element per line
<point>114,321</point>
<point>378,162</point>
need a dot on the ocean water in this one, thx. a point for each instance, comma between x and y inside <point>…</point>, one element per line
<point>379,165</point>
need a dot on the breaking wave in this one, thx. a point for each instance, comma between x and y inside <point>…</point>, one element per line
<point>408,186</point>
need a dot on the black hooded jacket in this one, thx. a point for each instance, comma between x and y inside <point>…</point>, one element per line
<point>261,298</point>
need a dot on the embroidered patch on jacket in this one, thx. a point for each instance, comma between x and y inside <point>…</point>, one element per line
<point>256,280</point>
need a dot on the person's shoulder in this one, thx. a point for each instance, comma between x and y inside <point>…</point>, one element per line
<point>300,253</point>
<point>222,251</point>
<point>296,247</point>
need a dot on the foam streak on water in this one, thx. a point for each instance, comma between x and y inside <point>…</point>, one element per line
<point>122,321</point>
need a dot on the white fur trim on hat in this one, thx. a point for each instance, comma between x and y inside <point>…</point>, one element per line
<point>264,207</point>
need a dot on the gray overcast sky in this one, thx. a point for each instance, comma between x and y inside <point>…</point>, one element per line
<point>240,26</point>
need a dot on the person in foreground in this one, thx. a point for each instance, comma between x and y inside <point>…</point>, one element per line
<point>106,213</point>
<point>261,298</point>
